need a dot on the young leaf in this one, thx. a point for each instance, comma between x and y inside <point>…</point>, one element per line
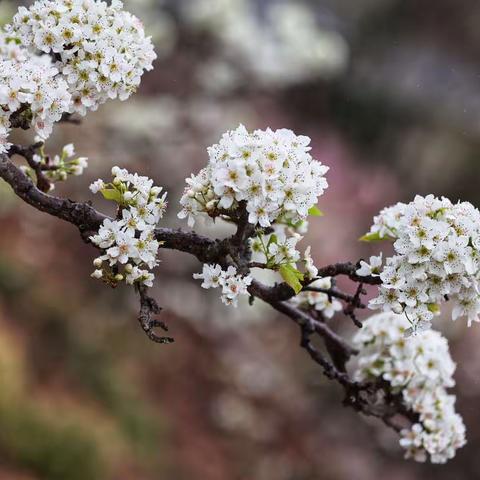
<point>315,212</point>
<point>375,237</point>
<point>433,307</point>
<point>112,194</point>
<point>292,277</point>
<point>273,239</point>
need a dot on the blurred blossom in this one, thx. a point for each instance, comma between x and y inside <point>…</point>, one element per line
<point>158,23</point>
<point>7,9</point>
<point>281,45</point>
<point>217,76</point>
<point>146,118</point>
<point>234,413</point>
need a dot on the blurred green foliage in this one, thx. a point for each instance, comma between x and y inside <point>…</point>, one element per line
<point>29,438</point>
<point>53,452</point>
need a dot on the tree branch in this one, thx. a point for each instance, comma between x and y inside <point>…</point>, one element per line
<point>361,397</point>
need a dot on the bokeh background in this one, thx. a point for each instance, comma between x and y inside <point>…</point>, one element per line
<point>389,92</point>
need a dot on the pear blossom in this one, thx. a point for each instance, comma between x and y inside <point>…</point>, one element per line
<point>59,167</point>
<point>129,241</point>
<point>311,269</point>
<point>373,267</point>
<point>32,83</point>
<point>211,276</point>
<point>97,274</point>
<point>136,274</point>
<point>436,246</point>
<point>419,369</point>
<point>320,301</point>
<point>271,171</point>
<point>101,51</point>
<point>232,284</point>
<point>97,185</point>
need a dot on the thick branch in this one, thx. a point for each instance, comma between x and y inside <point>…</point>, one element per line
<point>82,215</point>
<point>88,221</point>
<point>28,153</point>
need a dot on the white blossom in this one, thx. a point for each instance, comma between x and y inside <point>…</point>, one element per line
<point>29,82</point>
<point>101,51</point>
<point>373,267</point>
<point>97,274</point>
<point>97,185</point>
<point>420,369</point>
<point>437,258</point>
<point>231,283</point>
<point>68,56</point>
<point>310,268</point>
<point>272,171</point>
<point>136,274</point>
<point>60,167</point>
<point>130,239</point>
<point>320,301</point>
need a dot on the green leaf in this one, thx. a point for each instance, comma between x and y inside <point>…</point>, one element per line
<point>273,239</point>
<point>112,194</point>
<point>433,307</point>
<point>292,277</point>
<point>315,212</point>
<point>375,237</point>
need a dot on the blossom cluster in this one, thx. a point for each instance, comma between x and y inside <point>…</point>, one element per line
<point>321,301</point>
<point>437,246</point>
<point>129,241</point>
<point>68,56</point>
<point>100,50</point>
<point>59,167</point>
<point>29,81</point>
<point>419,369</point>
<point>271,171</point>
<point>229,281</point>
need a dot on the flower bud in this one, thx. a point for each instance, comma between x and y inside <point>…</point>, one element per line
<point>210,194</point>
<point>129,268</point>
<point>397,308</point>
<point>97,263</point>
<point>118,277</point>
<point>97,274</point>
<point>69,150</point>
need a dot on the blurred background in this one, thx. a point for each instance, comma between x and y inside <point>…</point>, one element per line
<point>389,92</point>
